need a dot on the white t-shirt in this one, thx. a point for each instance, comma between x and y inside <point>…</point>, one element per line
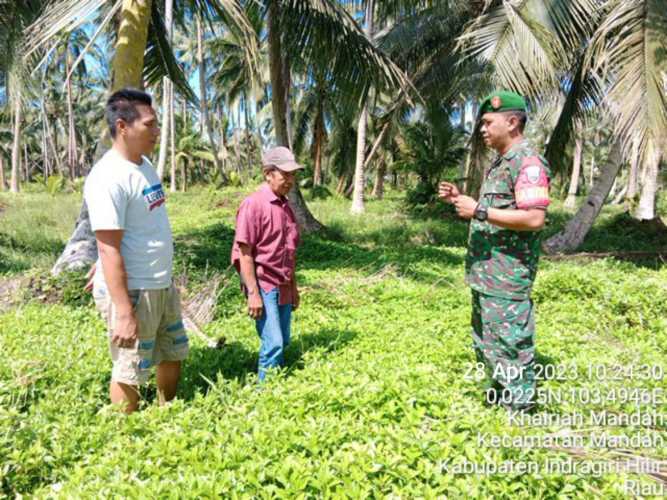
<point>123,195</point>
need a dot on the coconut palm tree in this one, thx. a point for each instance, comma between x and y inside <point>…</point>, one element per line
<point>315,108</point>
<point>15,17</point>
<point>237,84</point>
<point>323,34</point>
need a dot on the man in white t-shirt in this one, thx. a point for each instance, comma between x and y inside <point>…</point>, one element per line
<point>132,286</point>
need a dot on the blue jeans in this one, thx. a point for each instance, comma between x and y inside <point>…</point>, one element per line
<point>274,331</point>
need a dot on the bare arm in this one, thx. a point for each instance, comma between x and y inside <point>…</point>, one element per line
<point>108,244</point>
<point>247,264</point>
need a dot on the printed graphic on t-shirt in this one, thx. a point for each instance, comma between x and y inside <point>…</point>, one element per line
<point>154,196</point>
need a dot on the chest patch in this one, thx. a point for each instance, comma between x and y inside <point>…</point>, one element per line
<point>154,196</point>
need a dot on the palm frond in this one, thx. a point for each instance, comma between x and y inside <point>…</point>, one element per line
<point>236,20</point>
<point>629,47</point>
<point>524,53</point>
<point>305,117</point>
<point>584,92</point>
<point>159,59</point>
<point>573,21</point>
<point>60,16</point>
<point>82,53</point>
<point>323,33</point>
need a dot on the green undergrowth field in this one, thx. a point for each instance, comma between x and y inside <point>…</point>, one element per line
<point>379,396</point>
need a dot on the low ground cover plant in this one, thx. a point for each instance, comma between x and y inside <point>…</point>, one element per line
<point>376,399</point>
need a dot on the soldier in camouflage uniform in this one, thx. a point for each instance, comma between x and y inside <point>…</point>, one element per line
<point>503,250</point>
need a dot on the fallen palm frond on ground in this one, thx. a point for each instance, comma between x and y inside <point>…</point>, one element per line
<point>662,255</point>
<point>198,308</point>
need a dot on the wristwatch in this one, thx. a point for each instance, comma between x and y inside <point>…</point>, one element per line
<point>481,213</point>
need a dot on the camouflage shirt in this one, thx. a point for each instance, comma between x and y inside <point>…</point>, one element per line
<point>501,262</point>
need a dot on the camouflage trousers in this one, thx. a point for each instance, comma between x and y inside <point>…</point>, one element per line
<point>503,332</point>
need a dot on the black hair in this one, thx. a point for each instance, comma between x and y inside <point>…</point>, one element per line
<point>122,105</point>
<point>521,116</point>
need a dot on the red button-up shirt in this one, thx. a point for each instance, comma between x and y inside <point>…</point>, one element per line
<point>266,223</point>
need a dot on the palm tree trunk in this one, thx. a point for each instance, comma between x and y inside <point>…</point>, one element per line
<point>278,90</point>
<point>184,180</point>
<point>45,148</point>
<point>26,164</point>
<point>128,61</point>
<point>128,64</point>
<point>184,111</point>
<point>237,151</point>
<point>631,193</point>
<point>318,139</point>
<point>620,196</point>
<point>164,130</point>
<point>172,141</point>
<point>376,145</point>
<point>591,175</point>
<point>571,199</point>
<point>378,186</point>
<point>248,137</point>
<point>166,91</point>
<point>3,182</point>
<point>287,85</point>
<point>340,187</point>
<point>649,187</point>
<point>72,159</point>
<point>203,95</point>
<point>577,228</point>
<point>304,217</point>
<point>223,138</point>
<point>359,170</point>
<point>16,146</point>
<point>51,138</point>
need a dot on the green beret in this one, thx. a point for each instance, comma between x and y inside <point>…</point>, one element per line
<point>502,100</point>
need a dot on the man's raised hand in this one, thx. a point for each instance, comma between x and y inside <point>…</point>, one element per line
<point>448,192</point>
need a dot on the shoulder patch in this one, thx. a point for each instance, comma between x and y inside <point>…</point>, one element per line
<point>531,160</point>
<point>533,173</point>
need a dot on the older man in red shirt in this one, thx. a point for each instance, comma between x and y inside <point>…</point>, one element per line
<point>264,253</point>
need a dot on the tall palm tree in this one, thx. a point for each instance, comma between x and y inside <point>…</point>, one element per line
<point>314,110</point>
<point>15,17</point>
<point>323,34</point>
<point>359,177</point>
<point>167,94</point>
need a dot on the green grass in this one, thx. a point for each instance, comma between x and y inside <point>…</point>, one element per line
<point>34,229</point>
<point>374,399</point>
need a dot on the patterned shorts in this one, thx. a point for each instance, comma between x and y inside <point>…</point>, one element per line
<point>162,336</point>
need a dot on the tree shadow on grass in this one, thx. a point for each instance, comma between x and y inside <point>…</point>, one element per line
<point>210,249</point>
<point>236,361</point>
<point>38,245</point>
<point>614,231</point>
<point>327,340</point>
<point>207,248</point>
<point>619,233</point>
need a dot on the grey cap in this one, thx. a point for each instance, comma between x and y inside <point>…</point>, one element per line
<point>281,158</point>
